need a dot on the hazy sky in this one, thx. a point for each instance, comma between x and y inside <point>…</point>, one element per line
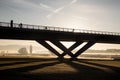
<point>103,15</point>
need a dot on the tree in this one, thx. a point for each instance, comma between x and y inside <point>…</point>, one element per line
<point>23,51</point>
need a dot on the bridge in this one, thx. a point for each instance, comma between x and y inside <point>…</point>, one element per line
<point>56,34</point>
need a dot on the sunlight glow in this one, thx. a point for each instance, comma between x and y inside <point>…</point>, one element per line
<point>98,15</point>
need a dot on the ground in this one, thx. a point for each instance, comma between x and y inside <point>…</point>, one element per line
<point>53,69</point>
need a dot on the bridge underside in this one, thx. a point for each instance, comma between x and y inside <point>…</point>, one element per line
<point>41,36</point>
<point>66,51</point>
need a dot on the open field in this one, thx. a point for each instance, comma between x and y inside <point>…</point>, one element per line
<point>53,69</point>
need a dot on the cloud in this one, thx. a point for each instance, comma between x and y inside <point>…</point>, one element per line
<point>46,7</point>
<point>73,1</point>
<point>59,9</point>
<point>56,11</point>
<point>53,11</point>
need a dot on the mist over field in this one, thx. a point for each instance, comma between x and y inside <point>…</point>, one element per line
<point>14,50</point>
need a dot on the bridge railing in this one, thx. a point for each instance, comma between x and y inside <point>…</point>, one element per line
<point>4,24</point>
<point>39,27</point>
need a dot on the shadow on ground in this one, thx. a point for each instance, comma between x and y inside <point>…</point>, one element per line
<point>52,69</point>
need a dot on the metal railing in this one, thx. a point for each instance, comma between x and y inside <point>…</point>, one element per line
<point>39,27</point>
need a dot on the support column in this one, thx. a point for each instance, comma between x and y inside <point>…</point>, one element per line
<point>66,51</point>
<point>84,48</point>
<point>46,45</point>
<point>62,47</point>
<point>76,44</point>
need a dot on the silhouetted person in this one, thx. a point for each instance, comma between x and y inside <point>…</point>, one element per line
<point>11,23</point>
<point>73,30</point>
<point>20,25</point>
<point>45,27</point>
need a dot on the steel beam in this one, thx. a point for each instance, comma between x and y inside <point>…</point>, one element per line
<point>76,44</point>
<point>46,45</point>
<point>84,48</point>
<point>65,50</point>
<point>62,47</point>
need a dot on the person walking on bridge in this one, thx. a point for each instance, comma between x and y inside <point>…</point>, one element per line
<point>20,25</point>
<point>11,23</point>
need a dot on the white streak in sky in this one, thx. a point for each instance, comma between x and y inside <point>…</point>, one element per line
<point>45,6</point>
<point>73,1</point>
<point>48,8</point>
<point>60,9</point>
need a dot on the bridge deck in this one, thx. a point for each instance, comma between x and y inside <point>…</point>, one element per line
<point>55,35</point>
<point>37,32</point>
<point>49,28</point>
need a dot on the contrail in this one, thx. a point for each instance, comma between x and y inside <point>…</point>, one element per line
<point>60,9</point>
<point>46,7</point>
<point>73,1</point>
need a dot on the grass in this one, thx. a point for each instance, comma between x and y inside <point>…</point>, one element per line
<point>53,69</point>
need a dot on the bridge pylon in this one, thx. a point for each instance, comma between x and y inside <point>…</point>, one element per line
<point>66,50</point>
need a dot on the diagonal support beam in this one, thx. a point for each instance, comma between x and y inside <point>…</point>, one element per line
<point>76,44</point>
<point>46,45</point>
<point>62,47</point>
<point>84,48</point>
<point>66,51</point>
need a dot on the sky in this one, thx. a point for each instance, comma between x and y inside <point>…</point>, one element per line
<point>101,15</point>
